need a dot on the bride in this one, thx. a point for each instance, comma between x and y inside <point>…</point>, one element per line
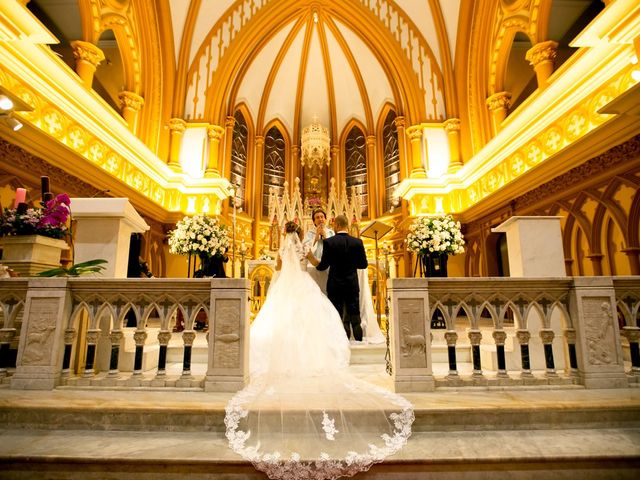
<point>303,415</point>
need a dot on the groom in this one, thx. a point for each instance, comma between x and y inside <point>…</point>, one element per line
<point>344,255</point>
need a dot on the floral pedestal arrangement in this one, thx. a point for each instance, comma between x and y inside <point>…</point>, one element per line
<point>29,255</point>
<point>433,239</point>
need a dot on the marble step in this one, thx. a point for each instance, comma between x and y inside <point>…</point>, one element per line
<point>520,455</point>
<point>196,411</point>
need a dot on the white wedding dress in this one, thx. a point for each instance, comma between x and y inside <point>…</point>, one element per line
<point>303,415</point>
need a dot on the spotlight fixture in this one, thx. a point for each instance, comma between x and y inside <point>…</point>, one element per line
<point>6,103</point>
<point>12,122</point>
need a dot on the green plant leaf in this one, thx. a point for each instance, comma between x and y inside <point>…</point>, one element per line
<point>76,270</point>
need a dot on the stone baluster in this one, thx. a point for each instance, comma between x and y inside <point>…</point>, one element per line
<point>130,104</point>
<point>452,127</point>
<point>498,104</point>
<point>6,336</point>
<point>177,126</point>
<point>570,335</point>
<point>164,336</point>
<point>88,57</point>
<point>452,337</point>
<point>69,338</point>
<point>499,336</point>
<point>542,57</point>
<point>523,339</point>
<point>547,336</point>
<point>215,133</point>
<point>139,337</point>
<point>188,336</point>
<point>415,135</point>
<point>92,341</point>
<point>633,335</point>
<point>116,337</point>
<point>475,336</point>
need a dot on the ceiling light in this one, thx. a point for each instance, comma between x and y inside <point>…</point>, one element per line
<point>635,74</point>
<point>634,60</point>
<point>5,103</point>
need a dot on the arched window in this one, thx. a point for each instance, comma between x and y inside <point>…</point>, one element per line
<point>391,156</point>
<point>239,144</point>
<point>273,176</point>
<point>356,167</point>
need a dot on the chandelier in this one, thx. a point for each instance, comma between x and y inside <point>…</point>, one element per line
<point>315,145</point>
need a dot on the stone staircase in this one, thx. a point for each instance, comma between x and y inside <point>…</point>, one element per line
<point>553,432</point>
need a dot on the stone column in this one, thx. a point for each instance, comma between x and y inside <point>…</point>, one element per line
<point>229,124</point>
<point>452,127</point>
<point>295,162</point>
<point>633,254</point>
<point>214,134</point>
<point>409,334</point>
<point>542,57</point>
<point>88,57</point>
<point>417,169</point>
<point>402,150</point>
<point>499,336</point>
<point>523,337</point>
<point>188,336</point>
<point>547,335</point>
<point>374,186</point>
<point>164,336</point>
<point>131,104</point>
<point>228,359</point>
<point>259,158</point>
<point>116,338</point>
<point>338,174</point>
<point>498,104</point>
<point>177,126</point>
<point>69,338</point>
<point>632,334</point>
<point>592,307</point>
<point>475,337</point>
<point>451,337</point>
<point>6,337</point>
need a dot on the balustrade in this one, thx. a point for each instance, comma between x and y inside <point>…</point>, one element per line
<point>498,331</point>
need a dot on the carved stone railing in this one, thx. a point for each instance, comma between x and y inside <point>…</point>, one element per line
<point>481,331</point>
<point>74,331</point>
<point>532,331</point>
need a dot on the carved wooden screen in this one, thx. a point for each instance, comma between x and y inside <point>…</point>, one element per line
<point>356,167</point>
<point>391,159</point>
<point>273,175</point>
<point>239,157</point>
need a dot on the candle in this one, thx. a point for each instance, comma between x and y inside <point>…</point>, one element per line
<point>21,196</point>
<point>44,185</point>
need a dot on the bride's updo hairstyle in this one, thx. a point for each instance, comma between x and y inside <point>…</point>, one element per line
<point>292,227</point>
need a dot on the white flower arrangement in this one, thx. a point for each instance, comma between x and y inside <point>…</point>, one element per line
<point>439,234</point>
<point>199,235</point>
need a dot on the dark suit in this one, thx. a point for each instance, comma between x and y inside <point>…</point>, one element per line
<point>344,255</point>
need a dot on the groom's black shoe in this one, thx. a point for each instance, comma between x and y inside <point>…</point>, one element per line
<point>354,320</point>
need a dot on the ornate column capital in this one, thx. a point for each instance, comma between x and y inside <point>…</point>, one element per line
<point>164,336</point>
<point>371,140</point>
<point>451,337</point>
<point>547,336</point>
<point>259,139</point>
<point>92,336</point>
<point>451,125</point>
<point>475,337</point>
<point>87,52</point>
<point>523,336</point>
<point>188,336</point>
<point>499,336</point>
<point>115,336</point>
<point>542,52</point>
<point>230,122</point>
<point>215,132</point>
<point>399,121</point>
<point>130,100</point>
<point>177,125</point>
<point>414,132</point>
<point>499,101</point>
<point>69,336</point>
<point>632,334</point>
<point>139,337</point>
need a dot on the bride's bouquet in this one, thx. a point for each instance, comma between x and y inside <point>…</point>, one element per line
<point>199,235</point>
<point>435,234</point>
